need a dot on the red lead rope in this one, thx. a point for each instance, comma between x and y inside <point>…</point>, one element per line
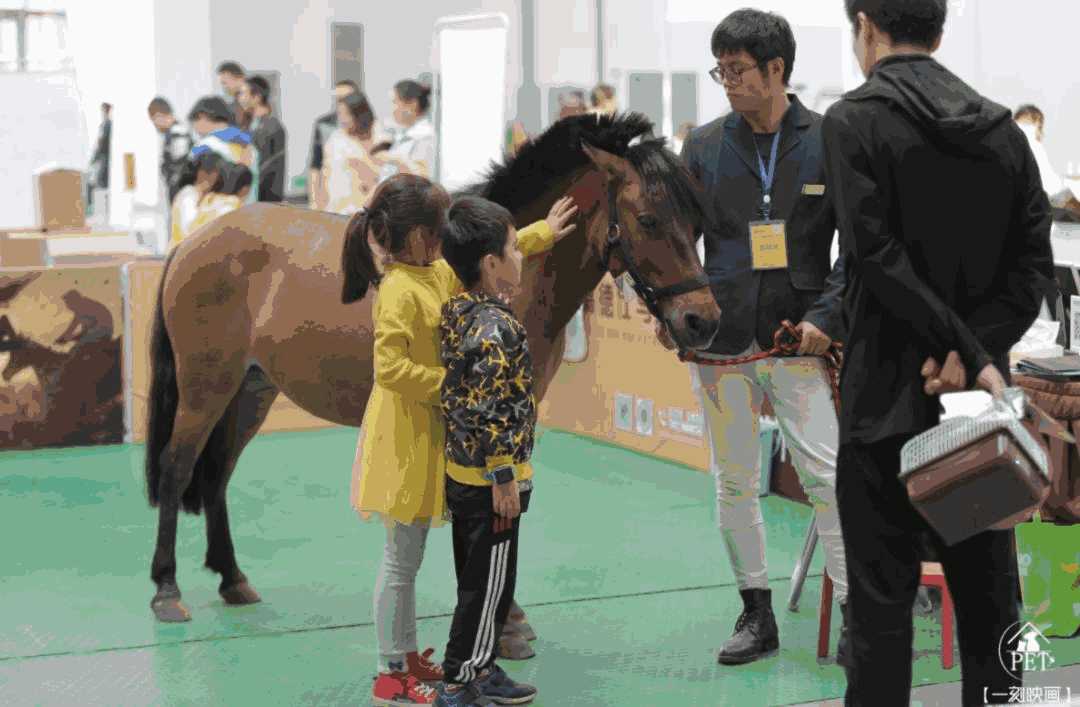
<point>786,342</point>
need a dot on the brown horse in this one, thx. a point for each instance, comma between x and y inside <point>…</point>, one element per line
<point>250,307</point>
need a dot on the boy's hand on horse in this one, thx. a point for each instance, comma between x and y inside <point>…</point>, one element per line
<point>814,341</point>
<point>560,218</point>
<point>506,501</point>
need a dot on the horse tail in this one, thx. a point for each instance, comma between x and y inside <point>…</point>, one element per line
<point>164,394</point>
<point>357,260</point>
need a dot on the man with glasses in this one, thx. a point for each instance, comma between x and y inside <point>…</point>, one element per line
<point>768,236</point>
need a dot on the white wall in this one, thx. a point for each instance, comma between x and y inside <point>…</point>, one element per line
<point>674,35</point>
<point>41,123</point>
<point>566,42</point>
<point>182,50</point>
<point>1028,55</point>
<point>293,37</point>
<point>121,73</point>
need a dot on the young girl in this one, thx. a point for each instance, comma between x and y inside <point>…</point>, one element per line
<point>218,188</point>
<point>400,456</point>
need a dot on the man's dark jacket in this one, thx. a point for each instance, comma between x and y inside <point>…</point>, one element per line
<point>268,134</point>
<point>722,155</point>
<point>945,229</point>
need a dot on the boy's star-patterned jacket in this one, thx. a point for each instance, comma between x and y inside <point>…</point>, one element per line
<point>487,396</point>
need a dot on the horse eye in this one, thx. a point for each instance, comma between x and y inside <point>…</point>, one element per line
<point>648,221</point>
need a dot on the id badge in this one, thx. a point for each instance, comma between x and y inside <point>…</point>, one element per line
<point>768,245</point>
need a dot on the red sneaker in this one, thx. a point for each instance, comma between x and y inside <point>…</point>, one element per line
<point>419,665</point>
<point>400,690</point>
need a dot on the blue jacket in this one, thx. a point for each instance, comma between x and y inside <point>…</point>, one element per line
<point>722,155</point>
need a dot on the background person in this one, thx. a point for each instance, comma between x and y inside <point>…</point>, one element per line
<point>764,162</point>
<point>946,234</point>
<point>325,125</point>
<point>268,136</point>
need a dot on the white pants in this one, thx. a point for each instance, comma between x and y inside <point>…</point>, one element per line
<point>731,398</point>
<point>395,594</point>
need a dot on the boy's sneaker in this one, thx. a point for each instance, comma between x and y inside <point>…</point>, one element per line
<point>502,689</point>
<point>468,696</point>
<point>400,690</point>
<point>419,665</point>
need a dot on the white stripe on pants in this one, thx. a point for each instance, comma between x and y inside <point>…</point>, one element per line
<point>485,635</point>
<point>731,398</point>
<point>395,594</point>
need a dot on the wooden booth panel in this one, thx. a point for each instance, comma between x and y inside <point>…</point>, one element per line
<point>142,286</point>
<point>628,390</point>
<point>61,338</point>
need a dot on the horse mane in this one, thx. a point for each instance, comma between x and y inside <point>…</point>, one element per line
<point>556,152</point>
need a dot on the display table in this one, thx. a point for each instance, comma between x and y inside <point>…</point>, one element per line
<point>628,390</point>
<point>631,392</point>
<point>29,247</point>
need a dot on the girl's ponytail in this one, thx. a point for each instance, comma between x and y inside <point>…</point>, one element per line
<point>357,259</point>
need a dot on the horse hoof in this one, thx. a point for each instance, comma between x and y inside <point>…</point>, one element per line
<point>240,594</point>
<point>513,646</point>
<point>170,610</point>
<point>522,628</point>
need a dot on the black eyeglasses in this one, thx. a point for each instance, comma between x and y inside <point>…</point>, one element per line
<point>732,75</point>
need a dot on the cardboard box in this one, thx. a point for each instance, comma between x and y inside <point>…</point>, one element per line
<point>58,198</point>
<point>22,249</point>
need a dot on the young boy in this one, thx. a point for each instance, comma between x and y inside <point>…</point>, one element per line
<point>487,401</point>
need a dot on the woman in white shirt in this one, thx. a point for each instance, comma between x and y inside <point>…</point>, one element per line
<point>350,174</point>
<point>413,147</point>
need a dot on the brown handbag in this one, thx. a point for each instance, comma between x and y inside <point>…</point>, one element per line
<point>971,474</point>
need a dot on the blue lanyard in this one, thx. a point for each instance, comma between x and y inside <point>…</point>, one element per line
<point>767,176</point>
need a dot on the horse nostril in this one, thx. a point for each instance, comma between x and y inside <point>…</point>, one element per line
<point>701,330</point>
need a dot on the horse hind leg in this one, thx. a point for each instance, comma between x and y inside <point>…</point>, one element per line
<point>237,427</point>
<point>191,429</point>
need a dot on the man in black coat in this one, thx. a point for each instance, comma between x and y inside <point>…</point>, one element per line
<point>768,235</point>
<point>946,234</point>
<point>268,136</point>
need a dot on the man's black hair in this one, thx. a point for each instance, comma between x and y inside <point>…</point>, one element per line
<point>232,68</point>
<point>235,177</point>
<point>259,87</point>
<point>763,35</point>
<point>213,107</point>
<point>475,227</point>
<point>917,22</point>
<point>159,105</point>
<point>1031,112</point>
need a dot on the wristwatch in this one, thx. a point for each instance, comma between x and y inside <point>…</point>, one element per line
<point>501,475</point>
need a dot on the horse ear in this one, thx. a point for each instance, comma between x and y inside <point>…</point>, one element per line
<point>611,164</point>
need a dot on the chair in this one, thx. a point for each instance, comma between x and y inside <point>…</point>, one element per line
<point>932,576</point>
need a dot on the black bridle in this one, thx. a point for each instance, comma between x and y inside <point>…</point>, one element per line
<point>651,296</point>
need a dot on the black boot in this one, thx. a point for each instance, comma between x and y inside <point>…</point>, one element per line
<point>755,634</point>
<point>843,646</point>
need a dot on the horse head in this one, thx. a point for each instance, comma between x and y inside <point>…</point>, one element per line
<point>648,230</point>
